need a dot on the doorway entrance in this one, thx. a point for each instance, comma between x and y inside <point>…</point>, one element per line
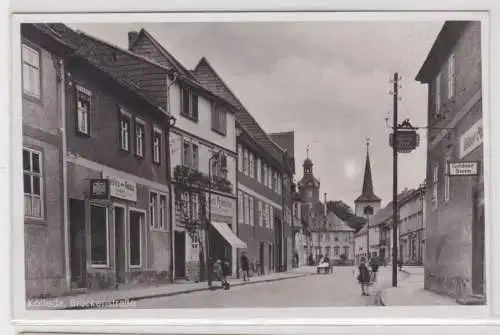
<point>78,259</point>
<point>261,257</point>
<point>180,254</point>
<point>120,249</point>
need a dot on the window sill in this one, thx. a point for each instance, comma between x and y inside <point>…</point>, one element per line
<point>189,117</point>
<point>125,151</point>
<point>139,157</point>
<point>100,266</point>
<point>222,133</point>
<point>157,162</point>
<point>82,134</point>
<point>32,98</point>
<point>158,230</point>
<point>135,266</point>
<point>35,221</point>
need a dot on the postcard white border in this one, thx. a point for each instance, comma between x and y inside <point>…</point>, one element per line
<point>236,320</point>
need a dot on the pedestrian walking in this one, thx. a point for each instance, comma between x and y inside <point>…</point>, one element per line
<point>245,266</point>
<point>364,277</point>
<point>374,265</point>
<point>225,274</point>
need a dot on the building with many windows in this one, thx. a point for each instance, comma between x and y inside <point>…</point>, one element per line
<point>116,168</point>
<point>454,260</point>
<point>263,174</point>
<point>412,227</point>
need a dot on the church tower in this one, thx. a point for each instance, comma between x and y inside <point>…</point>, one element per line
<point>309,185</point>
<point>367,197</point>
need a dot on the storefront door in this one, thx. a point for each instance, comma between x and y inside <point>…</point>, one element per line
<point>78,246</point>
<point>180,254</point>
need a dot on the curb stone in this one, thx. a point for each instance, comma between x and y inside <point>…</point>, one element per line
<point>381,294</point>
<point>170,294</point>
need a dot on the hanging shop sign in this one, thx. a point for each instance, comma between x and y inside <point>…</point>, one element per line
<point>221,205</point>
<point>99,188</point>
<point>121,188</point>
<point>407,138</point>
<point>463,168</point>
<point>471,139</point>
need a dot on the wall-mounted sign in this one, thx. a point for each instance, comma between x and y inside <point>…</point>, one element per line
<point>99,188</point>
<point>463,168</point>
<point>407,140</point>
<point>121,188</point>
<point>221,205</point>
<point>471,139</point>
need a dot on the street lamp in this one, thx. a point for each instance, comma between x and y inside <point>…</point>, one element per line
<point>217,157</point>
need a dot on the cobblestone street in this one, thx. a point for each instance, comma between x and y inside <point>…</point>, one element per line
<point>337,289</point>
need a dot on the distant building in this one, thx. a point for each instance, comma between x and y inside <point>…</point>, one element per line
<point>412,227</point>
<point>329,235</point>
<point>454,260</point>
<point>367,197</point>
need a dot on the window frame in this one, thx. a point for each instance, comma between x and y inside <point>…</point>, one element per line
<point>139,124</point>
<point>163,219</point>
<point>219,119</point>
<point>437,95</point>
<point>447,178</point>
<point>38,54</point>
<point>435,188</point>
<point>240,158</point>
<point>191,110</point>
<point>40,175</point>
<point>157,134</point>
<point>153,209</point>
<point>108,251</point>
<point>241,210</point>
<point>141,237</point>
<point>82,91</point>
<point>451,69</point>
<point>127,117</point>
<point>252,210</point>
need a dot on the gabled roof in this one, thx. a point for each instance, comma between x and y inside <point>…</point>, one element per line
<point>85,49</point>
<point>210,79</point>
<point>447,38</point>
<point>143,33</point>
<point>367,195</point>
<point>336,224</point>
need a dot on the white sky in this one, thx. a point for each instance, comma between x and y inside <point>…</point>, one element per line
<point>327,81</point>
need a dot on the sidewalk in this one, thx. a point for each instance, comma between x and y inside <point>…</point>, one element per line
<point>125,296</point>
<point>411,292</point>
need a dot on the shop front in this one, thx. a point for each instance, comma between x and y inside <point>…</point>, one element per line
<point>112,242</point>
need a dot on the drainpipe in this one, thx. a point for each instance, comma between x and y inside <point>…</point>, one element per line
<point>65,173</point>
<point>170,124</point>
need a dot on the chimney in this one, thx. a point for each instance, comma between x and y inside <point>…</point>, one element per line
<point>132,37</point>
<point>324,207</point>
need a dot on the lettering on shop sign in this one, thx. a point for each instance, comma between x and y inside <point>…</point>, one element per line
<point>463,168</point>
<point>121,188</point>
<point>471,139</point>
<point>221,205</point>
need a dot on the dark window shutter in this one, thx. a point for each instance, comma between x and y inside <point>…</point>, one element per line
<point>194,108</point>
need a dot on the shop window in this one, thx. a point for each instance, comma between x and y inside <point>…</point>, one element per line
<point>33,184</point>
<point>83,98</point>
<point>99,236</point>
<point>135,238</point>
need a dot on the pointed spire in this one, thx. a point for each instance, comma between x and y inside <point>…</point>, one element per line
<point>307,152</point>
<point>367,193</point>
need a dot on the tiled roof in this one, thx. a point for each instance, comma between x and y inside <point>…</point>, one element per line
<point>210,79</point>
<point>84,48</point>
<point>336,224</point>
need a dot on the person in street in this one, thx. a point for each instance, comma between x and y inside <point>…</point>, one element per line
<point>225,274</point>
<point>245,266</point>
<point>374,265</point>
<point>400,264</point>
<point>364,277</point>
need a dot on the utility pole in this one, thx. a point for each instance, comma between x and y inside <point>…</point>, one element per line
<point>395,184</point>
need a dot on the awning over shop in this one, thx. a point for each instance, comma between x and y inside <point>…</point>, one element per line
<point>228,235</point>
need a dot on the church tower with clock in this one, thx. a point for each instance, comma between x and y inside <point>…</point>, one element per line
<point>309,185</point>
